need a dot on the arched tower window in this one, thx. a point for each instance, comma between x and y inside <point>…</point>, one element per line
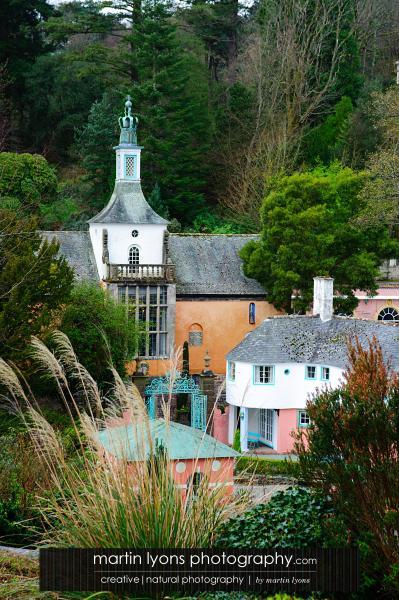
<point>388,314</point>
<point>134,255</point>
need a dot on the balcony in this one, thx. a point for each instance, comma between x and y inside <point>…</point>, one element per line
<point>140,273</point>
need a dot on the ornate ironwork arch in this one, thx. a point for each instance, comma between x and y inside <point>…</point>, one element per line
<point>182,384</point>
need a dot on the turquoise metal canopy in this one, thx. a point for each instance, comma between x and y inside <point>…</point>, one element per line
<point>134,442</point>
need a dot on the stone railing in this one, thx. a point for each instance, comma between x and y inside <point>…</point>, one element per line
<point>138,273</point>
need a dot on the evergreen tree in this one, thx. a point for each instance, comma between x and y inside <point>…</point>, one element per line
<point>309,229</point>
<point>21,38</point>
<point>94,144</point>
<point>170,96</point>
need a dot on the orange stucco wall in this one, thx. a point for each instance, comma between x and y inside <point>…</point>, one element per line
<point>224,323</point>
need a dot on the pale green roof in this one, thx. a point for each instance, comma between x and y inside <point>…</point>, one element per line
<point>180,441</point>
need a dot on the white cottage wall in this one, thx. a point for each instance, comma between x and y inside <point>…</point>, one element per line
<point>289,390</point>
<point>149,241</point>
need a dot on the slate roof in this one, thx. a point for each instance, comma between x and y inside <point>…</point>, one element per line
<point>77,249</point>
<point>180,441</point>
<point>128,205</point>
<point>306,339</point>
<point>210,265</point>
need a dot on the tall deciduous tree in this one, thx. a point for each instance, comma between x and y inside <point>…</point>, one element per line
<point>381,191</point>
<point>308,230</point>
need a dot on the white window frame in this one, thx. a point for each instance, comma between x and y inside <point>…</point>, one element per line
<point>133,256</point>
<point>307,367</point>
<point>304,413</point>
<point>325,371</point>
<point>259,372</point>
<point>231,370</point>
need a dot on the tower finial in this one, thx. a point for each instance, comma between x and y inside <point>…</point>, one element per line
<point>128,125</point>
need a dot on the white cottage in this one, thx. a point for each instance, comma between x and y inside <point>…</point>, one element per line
<point>273,371</point>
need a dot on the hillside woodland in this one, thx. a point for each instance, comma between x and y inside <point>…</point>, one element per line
<point>230,99</point>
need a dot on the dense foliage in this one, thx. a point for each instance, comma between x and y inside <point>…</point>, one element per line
<point>34,283</point>
<point>228,98</point>
<point>352,454</point>
<point>296,518</point>
<point>27,179</point>
<point>100,331</point>
<point>309,228</point>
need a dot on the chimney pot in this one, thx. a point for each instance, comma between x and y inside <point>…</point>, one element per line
<point>323,292</point>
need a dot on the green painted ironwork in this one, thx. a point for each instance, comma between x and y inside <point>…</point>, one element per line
<point>182,384</point>
<point>128,125</point>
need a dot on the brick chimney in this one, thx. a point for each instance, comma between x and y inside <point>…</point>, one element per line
<point>323,297</point>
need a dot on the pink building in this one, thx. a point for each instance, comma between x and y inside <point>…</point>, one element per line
<point>192,454</point>
<point>276,367</point>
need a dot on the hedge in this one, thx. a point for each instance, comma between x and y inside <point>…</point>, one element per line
<point>266,466</point>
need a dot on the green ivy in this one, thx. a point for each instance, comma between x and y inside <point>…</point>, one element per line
<point>295,518</point>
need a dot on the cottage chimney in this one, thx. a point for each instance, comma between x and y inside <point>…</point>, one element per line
<point>323,297</point>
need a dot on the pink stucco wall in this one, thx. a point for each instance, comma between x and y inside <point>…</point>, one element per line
<point>368,308</point>
<point>287,423</point>
<point>221,425</point>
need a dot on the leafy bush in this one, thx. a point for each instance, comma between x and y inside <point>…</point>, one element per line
<point>291,519</point>
<point>100,331</point>
<point>28,178</point>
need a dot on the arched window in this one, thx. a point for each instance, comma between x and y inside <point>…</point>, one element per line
<point>251,313</point>
<point>195,335</point>
<point>134,255</point>
<point>388,314</point>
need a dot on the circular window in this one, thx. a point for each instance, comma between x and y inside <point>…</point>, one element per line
<point>216,465</point>
<point>181,467</point>
<point>286,371</point>
<point>388,314</point>
<point>135,233</point>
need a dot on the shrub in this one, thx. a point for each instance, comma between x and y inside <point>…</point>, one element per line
<point>100,331</point>
<point>28,178</point>
<point>352,455</point>
<point>291,519</point>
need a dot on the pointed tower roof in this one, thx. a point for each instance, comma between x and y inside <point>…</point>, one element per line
<point>128,204</point>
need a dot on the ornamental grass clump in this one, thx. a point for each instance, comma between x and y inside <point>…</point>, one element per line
<point>95,499</point>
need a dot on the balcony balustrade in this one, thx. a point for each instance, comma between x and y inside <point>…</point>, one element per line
<point>140,273</point>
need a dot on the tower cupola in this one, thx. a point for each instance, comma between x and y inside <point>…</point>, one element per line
<point>128,153</point>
